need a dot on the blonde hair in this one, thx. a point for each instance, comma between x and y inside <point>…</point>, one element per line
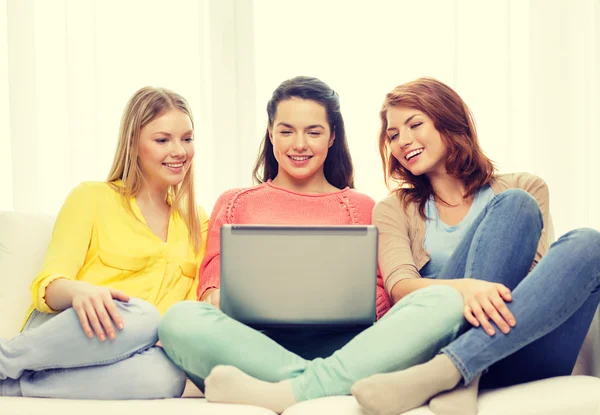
<point>146,105</point>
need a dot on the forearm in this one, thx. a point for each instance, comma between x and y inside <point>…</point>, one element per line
<point>60,292</point>
<point>408,285</point>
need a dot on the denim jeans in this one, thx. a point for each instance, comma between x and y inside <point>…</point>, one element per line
<point>54,358</point>
<point>198,337</point>
<point>553,305</point>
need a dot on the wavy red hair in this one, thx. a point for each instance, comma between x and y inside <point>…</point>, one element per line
<point>454,121</point>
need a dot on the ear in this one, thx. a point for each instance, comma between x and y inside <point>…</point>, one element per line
<point>331,139</point>
<point>270,130</point>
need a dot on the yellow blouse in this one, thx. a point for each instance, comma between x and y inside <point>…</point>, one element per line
<point>97,240</point>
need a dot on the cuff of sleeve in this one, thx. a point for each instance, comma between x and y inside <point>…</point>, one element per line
<point>395,279</point>
<point>205,289</point>
<point>39,294</point>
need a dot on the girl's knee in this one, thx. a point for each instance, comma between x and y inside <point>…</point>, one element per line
<point>137,309</point>
<point>447,297</point>
<point>587,237</point>
<point>517,195</point>
<point>185,322</point>
<point>163,378</point>
<point>435,298</point>
<point>170,382</point>
<point>521,198</point>
<point>140,320</point>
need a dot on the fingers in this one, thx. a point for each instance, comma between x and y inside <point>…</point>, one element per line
<point>83,320</point>
<point>481,316</point>
<point>92,317</point>
<point>504,292</point>
<point>103,316</point>
<point>468,313</point>
<point>113,312</point>
<point>489,307</point>
<point>119,295</point>
<point>506,314</point>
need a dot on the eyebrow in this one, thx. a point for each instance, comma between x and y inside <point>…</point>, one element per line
<point>405,122</point>
<point>291,126</point>
<point>169,134</point>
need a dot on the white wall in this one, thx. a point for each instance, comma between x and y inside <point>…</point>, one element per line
<point>528,69</point>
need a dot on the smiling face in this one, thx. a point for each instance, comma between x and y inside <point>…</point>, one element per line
<point>415,142</point>
<point>166,149</point>
<point>301,138</point>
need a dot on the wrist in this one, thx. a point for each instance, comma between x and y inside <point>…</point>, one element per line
<point>206,293</point>
<point>60,292</point>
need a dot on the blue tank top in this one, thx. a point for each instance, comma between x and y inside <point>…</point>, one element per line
<point>440,239</point>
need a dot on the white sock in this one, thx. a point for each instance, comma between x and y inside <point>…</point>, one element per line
<point>461,400</point>
<point>397,392</point>
<point>228,384</point>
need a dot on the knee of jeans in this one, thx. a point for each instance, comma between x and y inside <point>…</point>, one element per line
<point>587,237</point>
<point>526,202</point>
<point>587,244</point>
<point>170,382</point>
<point>522,197</point>
<point>140,319</point>
<point>164,379</point>
<point>185,323</point>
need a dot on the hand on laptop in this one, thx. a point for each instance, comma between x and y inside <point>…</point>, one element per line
<point>213,297</point>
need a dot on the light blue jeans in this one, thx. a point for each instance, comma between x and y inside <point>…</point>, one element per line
<point>53,358</point>
<point>553,305</point>
<point>198,337</point>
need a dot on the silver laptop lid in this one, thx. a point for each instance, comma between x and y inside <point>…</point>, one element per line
<point>274,275</point>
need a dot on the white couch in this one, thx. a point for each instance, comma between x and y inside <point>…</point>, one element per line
<point>23,241</point>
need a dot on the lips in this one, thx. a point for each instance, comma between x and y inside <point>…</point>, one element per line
<point>299,161</point>
<point>175,165</point>
<point>175,168</point>
<point>300,158</point>
<point>413,153</point>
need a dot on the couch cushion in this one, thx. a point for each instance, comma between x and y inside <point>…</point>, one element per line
<point>24,239</point>
<point>557,396</point>
<point>192,406</point>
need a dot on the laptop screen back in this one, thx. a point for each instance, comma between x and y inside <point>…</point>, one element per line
<point>299,275</point>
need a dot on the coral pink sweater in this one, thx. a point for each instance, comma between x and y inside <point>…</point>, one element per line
<point>269,204</point>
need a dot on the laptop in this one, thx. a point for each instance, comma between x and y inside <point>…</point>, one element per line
<point>290,276</point>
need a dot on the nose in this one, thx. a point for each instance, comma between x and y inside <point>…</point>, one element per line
<point>177,150</point>
<point>405,139</point>
<point>300,142</point>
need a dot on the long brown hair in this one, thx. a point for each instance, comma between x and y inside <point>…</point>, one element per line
<point>338,168</point>
<point>453,119</point>
<point>144,106</point>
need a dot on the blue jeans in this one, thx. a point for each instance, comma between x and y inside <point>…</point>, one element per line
<point>198,337</point>
<point>553,305</point>
<point>53,358</point>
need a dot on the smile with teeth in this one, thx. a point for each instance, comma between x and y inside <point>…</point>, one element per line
<point>414,153</point>
<point>299,158</point>
<point>174,165</point>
